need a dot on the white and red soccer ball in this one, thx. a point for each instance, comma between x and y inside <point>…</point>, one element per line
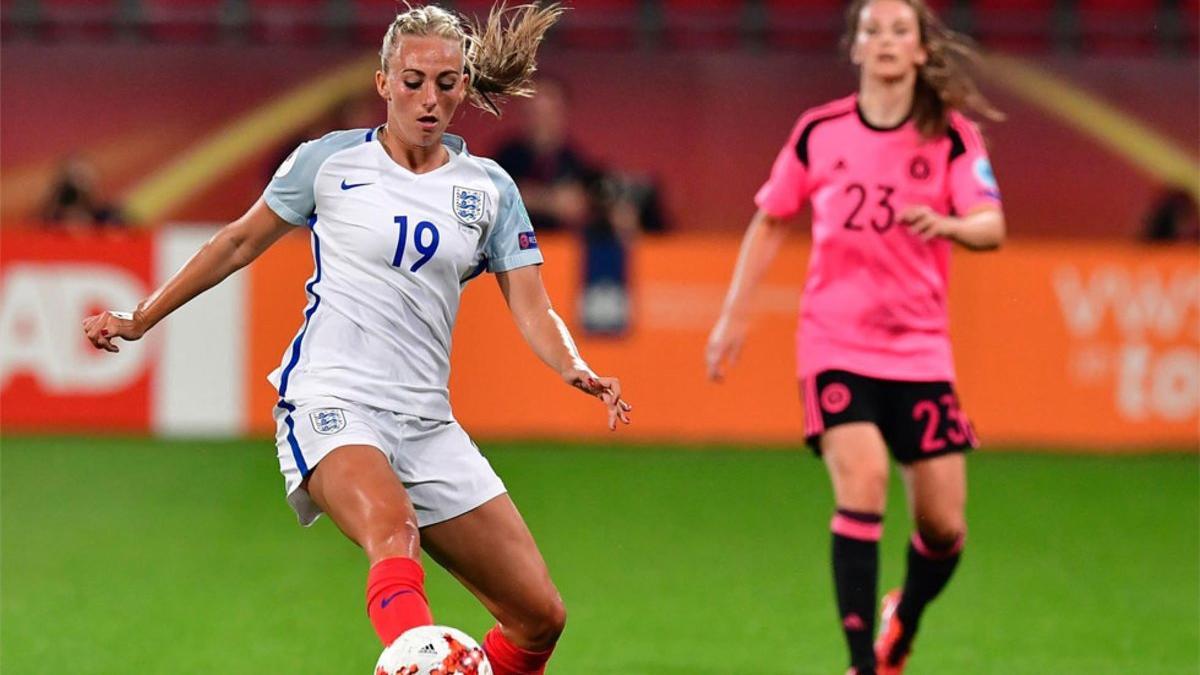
<point>433,650</point>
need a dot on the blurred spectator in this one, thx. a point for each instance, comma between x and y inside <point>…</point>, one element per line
<point>74,198</point>
<point>636,203</point>
<point>553,176</point>
<point>564,190</point>
<point>609,225</point>
<point>1172,217</point>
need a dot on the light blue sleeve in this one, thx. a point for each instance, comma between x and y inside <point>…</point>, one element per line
<point>291,192</point>
<point>512,243</point>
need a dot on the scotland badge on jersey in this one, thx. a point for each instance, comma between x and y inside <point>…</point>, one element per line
<point>468,205</point>
<point>327,421</point>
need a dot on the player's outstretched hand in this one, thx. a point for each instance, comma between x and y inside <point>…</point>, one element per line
<point>927,223</point>
<point>607,389</point>
<point>102,328</point>
<point>724,344</point>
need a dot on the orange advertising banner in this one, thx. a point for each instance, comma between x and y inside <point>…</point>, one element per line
<point>1095,345</point>
<point>1083,344</point>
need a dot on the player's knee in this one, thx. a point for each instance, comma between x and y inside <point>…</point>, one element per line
<point>541,626</point>
<point>399,538</point>
<point>943,534</point>
<point>875,481</point>
<point>864,490</point>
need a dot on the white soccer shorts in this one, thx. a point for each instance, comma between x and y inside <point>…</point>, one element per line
<point>441,468</point>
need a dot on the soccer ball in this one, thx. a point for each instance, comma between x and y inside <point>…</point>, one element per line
<point>433,650</point>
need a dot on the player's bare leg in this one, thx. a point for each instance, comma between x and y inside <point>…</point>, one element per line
<point>356,487</point>
<point>491,551</point>
<point>857,459</point>
<point>937,497</point>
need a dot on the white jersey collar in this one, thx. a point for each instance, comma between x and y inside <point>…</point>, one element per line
<point>456,145</point>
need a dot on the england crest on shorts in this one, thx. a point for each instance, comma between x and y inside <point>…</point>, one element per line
<point>327,421</point>
<point>468,205</point>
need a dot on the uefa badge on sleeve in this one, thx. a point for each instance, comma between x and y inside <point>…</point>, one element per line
<point>468,205</point>
<point>986,178</point>
<point>527,240</point>
<point>327,421</point>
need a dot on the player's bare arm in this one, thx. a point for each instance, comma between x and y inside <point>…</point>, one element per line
<point>980,230</point>
<point>232,248</point>
<point>547,334</point>
<point>760,245</point>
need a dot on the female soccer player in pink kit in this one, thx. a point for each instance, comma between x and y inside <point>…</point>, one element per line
<point>895,175</point>
<point>401,217</point>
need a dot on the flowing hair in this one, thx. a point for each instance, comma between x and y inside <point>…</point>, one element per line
<point>944,83</point>
<point>500,51</point>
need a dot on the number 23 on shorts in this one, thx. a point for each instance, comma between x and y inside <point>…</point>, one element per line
<point>956,431</point>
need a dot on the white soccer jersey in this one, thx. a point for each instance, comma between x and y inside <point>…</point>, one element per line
<point>392,251</point>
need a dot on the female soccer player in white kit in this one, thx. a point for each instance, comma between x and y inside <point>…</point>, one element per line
<point>401,216</point>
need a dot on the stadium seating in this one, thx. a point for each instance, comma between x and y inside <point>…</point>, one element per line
<point>296,21</point>
<point>804,24</point>
<point>1189,19</point>
<point>1119,26</point>
<point>15,19</point>
<point>369,19</point>
<point>1013,25</point>
<point>476,8</point>
<point>183,20</point>
<point>705,24</point>
<point>1094,26</point>
<point>814,24</point>
<point>599,24</point>
<point>79,19</point>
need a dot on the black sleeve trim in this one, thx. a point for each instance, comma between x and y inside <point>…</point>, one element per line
<point>802,142</point>
<point>957,147</point>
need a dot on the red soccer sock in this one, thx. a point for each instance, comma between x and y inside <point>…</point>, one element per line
<point>509,659</point>
<point>396,597</point>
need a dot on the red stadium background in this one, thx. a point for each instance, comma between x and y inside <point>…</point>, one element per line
<point>706,125</point>
<point>1075,334</point>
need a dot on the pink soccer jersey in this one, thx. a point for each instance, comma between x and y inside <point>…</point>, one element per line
<point>875,299</point>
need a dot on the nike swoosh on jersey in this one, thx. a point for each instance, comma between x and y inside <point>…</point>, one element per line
<point>351,186</point>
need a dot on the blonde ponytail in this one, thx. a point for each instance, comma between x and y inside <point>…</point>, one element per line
<point>502,51</point>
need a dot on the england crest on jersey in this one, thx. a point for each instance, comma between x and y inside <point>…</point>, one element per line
<point>468,205</point>
<point>327,421</point>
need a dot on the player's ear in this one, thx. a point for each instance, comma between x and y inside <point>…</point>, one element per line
<point>466,85</point>
<point>381,85</point>
<point>855,54</point>
<point>922,57</point>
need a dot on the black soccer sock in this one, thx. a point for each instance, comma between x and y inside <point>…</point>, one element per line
<point>930,566</point>
<point>856,577</point>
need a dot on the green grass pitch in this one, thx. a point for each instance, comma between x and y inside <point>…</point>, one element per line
<point>142,556</point>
